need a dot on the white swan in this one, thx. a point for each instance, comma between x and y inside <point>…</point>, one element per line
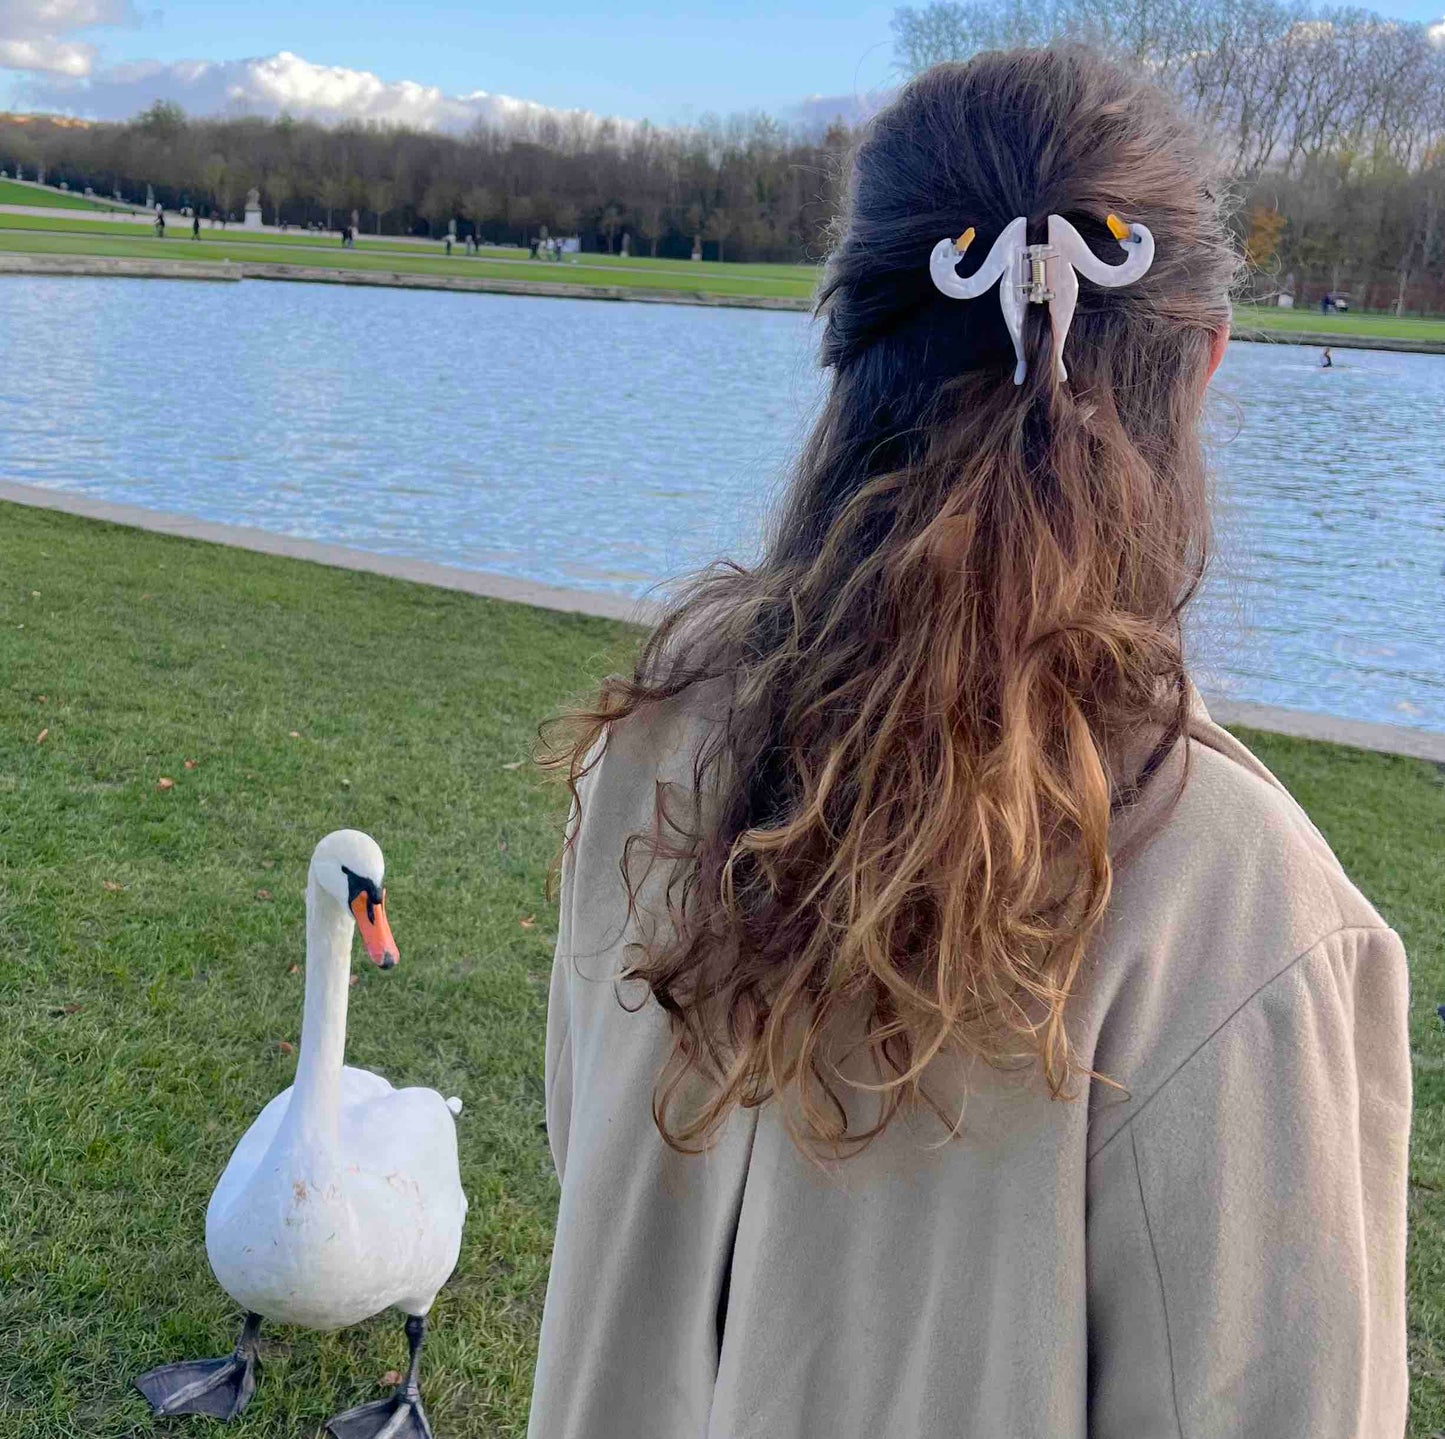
<point>344,1197</point>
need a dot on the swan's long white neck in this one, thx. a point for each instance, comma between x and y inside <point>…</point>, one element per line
<point>314,1116</point>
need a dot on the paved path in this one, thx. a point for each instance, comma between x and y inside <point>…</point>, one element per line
<point>1386,739</point>
<point>268,542</point>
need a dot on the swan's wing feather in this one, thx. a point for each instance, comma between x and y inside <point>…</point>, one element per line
<point>413,1184</point>
<point>248,1153</point>
<point>408,1130</point>
<point>361,1086</point>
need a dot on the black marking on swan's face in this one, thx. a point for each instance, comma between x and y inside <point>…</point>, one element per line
<point>357,884</point>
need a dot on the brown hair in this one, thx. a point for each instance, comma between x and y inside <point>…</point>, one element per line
<point>967,610</point>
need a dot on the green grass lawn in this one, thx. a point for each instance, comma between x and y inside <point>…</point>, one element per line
<point>64,235</point>
<point>12,193</point>
<point>390,244</point>
<point>1405,327</point>
<point>36,234</point>
<point>149,935</point>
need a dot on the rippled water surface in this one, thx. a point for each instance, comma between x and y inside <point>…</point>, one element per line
<point>610,446</point>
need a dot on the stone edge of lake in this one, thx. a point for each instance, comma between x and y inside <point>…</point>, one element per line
<point>167,268</point>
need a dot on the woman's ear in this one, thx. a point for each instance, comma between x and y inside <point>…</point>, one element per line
<point>1216,352</point>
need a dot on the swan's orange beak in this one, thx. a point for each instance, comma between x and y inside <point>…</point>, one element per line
<point>375,929</point>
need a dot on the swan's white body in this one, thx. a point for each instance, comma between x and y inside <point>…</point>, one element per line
<point>344,1197</point>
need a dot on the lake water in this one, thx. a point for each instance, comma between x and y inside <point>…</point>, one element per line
<point>612,446</point>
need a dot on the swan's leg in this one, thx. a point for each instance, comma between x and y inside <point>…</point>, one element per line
<point>401,1416</point>
<point>220,1388</point>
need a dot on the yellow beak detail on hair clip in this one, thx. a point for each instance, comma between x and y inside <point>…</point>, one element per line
<point>1117,228</point>
<point>964,240</point>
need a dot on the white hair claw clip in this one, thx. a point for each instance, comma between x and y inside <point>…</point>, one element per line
<point>1040,274</point>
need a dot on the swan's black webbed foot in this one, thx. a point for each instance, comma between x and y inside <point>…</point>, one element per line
<point>394,1418</point>
<point>219,1388</point>
<point>401,1416</point>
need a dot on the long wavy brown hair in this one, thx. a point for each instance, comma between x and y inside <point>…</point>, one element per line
<point>965,618</point>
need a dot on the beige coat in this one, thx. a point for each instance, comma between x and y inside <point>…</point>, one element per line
<point>1218,1253</point>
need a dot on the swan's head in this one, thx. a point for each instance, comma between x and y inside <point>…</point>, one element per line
<point>347,865</point>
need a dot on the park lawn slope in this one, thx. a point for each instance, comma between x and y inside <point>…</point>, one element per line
<point>14,193</point>
<point>28,234</point>
<point>150,932</point>
<point>1274,321</point>
<point>105,238</point>
<point>102,225</point>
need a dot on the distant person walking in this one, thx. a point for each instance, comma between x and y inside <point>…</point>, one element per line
<point>160,221</point>
<point>449,245</point>
<point>196,225</point>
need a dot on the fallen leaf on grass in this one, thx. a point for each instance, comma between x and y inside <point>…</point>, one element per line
<point>528,923</point>
<point>264,894</point>
<point>295,969</point>
<point>71,1008</point>
<point>502,845</point>
<point>516,764</point>
<point>40,738</point>
<point>296,734</point>
<point>192,763</point>
<point>165,782</point>
<point>268,864</point>
<point>390,1379</point>
<point>111,887</point>
<point>285,1046</point>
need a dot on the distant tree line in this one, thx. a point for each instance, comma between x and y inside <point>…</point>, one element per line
<point>742,189</point>
<point>1331,121</point>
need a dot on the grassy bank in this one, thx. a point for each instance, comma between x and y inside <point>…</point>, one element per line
<point>99,226</point>
<point>63,234</point>
<point>1272,319</point>
<point>149,934</point>
<point>37,235</point>
<point>13,193</point>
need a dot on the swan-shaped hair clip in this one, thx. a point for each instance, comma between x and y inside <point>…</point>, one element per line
<point>1040,274</point>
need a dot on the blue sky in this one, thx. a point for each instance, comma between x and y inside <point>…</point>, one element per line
<point>657,61</point>
<point>425,61</point>
<point>666,63</point>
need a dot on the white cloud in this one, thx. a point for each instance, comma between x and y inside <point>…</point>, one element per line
<point>817,112</point>
<point>270,85</point>
<point>34,33</point>
<point>1437,32</point>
